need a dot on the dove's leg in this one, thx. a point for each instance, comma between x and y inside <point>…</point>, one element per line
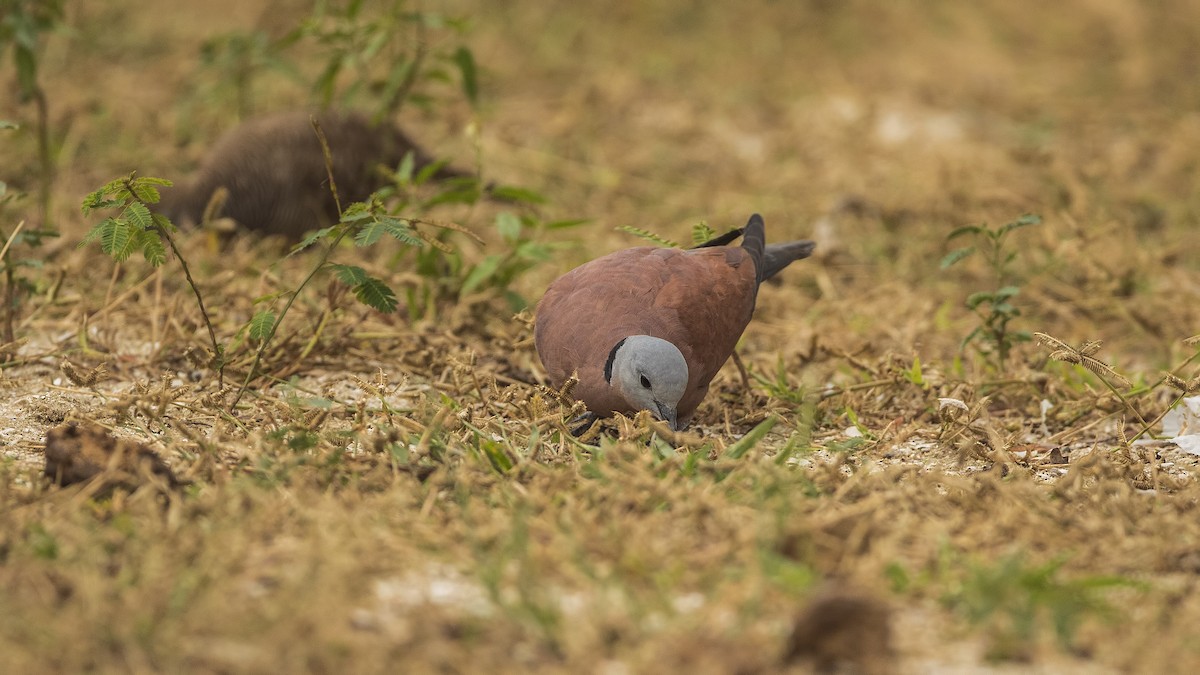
<point>585,421</point>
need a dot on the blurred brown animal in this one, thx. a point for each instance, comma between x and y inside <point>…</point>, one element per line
<point>78,452</point>
<point>274,171</point>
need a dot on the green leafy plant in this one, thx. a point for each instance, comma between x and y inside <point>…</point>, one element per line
<point>386,54</point>
<point>993,337</point>
<point>236,60</point>
<point>421,49</point>
<point>445,276</point>
<point>702,235</point>
<point>136,228</point>
<point>22,22</point>
<point>382,215</point>
<point>780,386</point>
<point>380,56</point>
<point>521,236</point>
<point>648,236</point>
<point>372,56</point>
<point>11,242</point>
<point>914,374</point>
<point>15,284</point>
<point>354,38</point>
<point>853,417</point>
<point>745,443</point>
<point>1014,599</point>
<point>364,223</point>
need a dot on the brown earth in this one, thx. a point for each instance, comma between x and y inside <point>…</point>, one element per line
<point>399,494</point>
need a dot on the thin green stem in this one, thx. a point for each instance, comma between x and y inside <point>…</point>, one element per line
<point>10,291</point>
<point>10,304</point>
<point>164,234</point>
<point>1147,426</point>
<point>262,347</point>
<point>47,161</point>
<point>1178,398</point>
<point>393,105</point>
<point>212,334</point>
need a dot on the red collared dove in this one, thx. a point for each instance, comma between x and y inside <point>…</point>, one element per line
<point>648,328</point>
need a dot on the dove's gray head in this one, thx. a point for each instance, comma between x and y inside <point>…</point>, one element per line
<point>650,373</point>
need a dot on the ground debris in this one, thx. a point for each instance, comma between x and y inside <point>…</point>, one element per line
<point>841,628</point>
<point>77,452</point>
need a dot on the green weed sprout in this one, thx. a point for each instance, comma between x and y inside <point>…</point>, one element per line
<point>445,276</point>
<point>702,233</point>
<point>355,41</point>
<point>1013,598</point>
<point>365,223</point>
<point>235,60</point>
<point>21,24</point>
<point>373,55</point>
<point>137,228</point>
<point>9,263</point>
<point>994,308</point>
<point>354,38</point>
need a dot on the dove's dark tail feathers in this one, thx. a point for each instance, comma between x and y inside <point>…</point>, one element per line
<point>778,256</point>
<point>721,240</point>
<point>754,240</point>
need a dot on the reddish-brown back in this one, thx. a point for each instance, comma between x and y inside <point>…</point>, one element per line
<point>699,299</point>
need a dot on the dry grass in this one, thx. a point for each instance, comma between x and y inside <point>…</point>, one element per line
<point>402,495</point>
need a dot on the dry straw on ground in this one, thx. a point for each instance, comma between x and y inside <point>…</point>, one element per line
<point>399,493</point>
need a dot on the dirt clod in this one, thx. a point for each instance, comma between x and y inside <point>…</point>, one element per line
<point>76,453</point>
<point>841,628</point>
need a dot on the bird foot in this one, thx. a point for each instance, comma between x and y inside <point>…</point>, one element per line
<point>585,422</point>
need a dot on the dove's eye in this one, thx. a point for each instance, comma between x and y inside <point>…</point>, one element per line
<point>645,382</point>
